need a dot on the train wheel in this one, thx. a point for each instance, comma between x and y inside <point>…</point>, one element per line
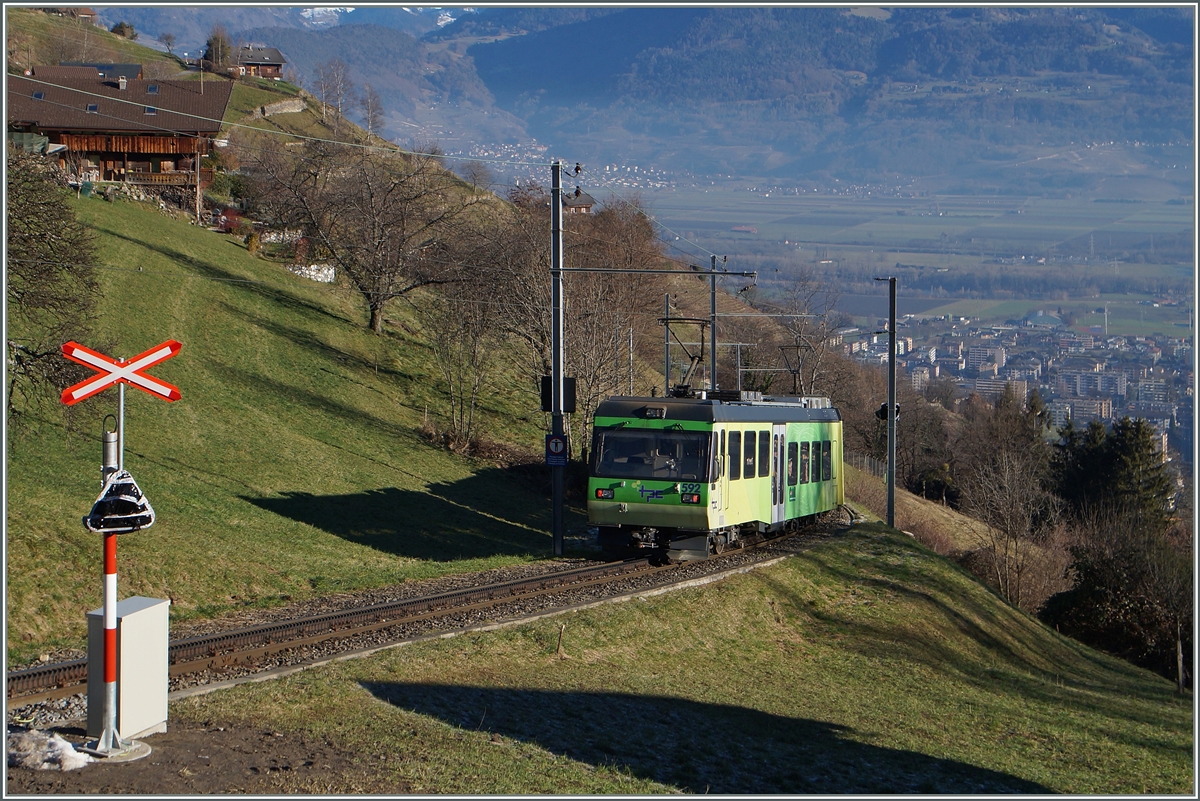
<point>718,544</point>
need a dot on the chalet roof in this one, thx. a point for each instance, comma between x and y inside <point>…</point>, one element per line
<point>67,71</point>
<point>106,70</point>
<point>257,54</point>
<point>179,105</point>
<point>578,200</point>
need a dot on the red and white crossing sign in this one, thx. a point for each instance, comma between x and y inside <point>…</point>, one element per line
<point>117,371</point>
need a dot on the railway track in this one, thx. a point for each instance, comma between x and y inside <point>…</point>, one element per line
<point>214,653</point>
<point>232,653</point>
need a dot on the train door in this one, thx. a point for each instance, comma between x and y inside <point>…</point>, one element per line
<point>778,473</point>
<point>721,479</point>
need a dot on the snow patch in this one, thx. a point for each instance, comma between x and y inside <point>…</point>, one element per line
<point>38,751</point>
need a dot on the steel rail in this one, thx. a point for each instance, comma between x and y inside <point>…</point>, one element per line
<point>224,649</point>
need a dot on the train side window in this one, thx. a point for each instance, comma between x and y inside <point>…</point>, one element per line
<point>805,470</point>
<point>764,454</point>
<point>827,460</point>
<point>792,463</point>
<point>714,468</point>
<point>816,461</point>
<point>735,455</point>
<point>749,455</point>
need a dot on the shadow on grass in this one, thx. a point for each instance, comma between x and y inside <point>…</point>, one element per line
<point>487,514</point>
<point>697,747</point>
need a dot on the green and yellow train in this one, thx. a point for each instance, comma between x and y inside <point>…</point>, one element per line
<point>690,477</point>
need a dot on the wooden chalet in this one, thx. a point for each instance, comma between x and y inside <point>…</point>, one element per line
<point>259,60</point>
<point>579,203</point>
<point>84,13</point>
<point>122,129</point>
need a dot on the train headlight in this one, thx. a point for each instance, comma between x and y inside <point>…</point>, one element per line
<point>605,494</point>
<point>690,497</point>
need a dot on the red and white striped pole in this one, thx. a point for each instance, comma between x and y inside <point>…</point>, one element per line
<point>110,740</point>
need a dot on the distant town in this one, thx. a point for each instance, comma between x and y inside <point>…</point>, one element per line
<point>1080,376</point>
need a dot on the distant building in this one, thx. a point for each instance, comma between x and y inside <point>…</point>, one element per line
<point>920,378</point>
<point>107,71</point>
<point>258,60</point>
<point>951,364</point>
<point>1083,383</point>
<point>119,129</point>
<point>1085,409</point>
<point>1076,343</point>
<point>1148,389</point>
<point>82,13</point>
<point>1042,320</point>
<point>1059,412</point>
<point>977,356</point>
<point>993,388</point>
<point>579,203</point>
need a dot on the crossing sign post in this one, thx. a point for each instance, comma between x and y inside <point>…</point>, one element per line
<point>121,505</point>
<point>556,450</point>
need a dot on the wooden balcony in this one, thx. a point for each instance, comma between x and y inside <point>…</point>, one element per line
<point>177,178</point>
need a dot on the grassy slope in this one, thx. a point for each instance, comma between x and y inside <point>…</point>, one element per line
<point>36,39</point>
<point>291,466</point>
<point>865,665</point>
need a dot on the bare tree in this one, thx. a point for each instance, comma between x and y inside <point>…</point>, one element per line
<point>218,52</point>
<point>371,106</point>
<point>333,87</point>
<point>320,86</point>
<point>382,219</point>
<point>1018,513</point>
<point>463,336</point>
<point>601,308</point>
<point>814,320</point>
<point>1004,478</point>
<point>477,175</point>
<point>168,40</point>
<point>51,283</point>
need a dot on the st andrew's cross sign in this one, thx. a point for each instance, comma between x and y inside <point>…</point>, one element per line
<point>120,371</point>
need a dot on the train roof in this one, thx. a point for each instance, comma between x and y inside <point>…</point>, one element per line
<point>767,410</point>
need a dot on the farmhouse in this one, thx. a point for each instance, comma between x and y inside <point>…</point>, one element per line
<point>259,60</point>
<point>85,14</point>
<point>579,203</point>
<point>118,128</point>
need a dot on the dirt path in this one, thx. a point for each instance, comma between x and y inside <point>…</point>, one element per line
<point>206,758</point>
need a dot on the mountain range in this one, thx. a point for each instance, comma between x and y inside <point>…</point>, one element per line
<point>975,97</point>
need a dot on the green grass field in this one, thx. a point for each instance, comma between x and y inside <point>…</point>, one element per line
<point>291,466</point>
<point>866,665</point>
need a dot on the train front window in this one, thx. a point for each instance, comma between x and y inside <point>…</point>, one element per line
<point>652,454</point>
